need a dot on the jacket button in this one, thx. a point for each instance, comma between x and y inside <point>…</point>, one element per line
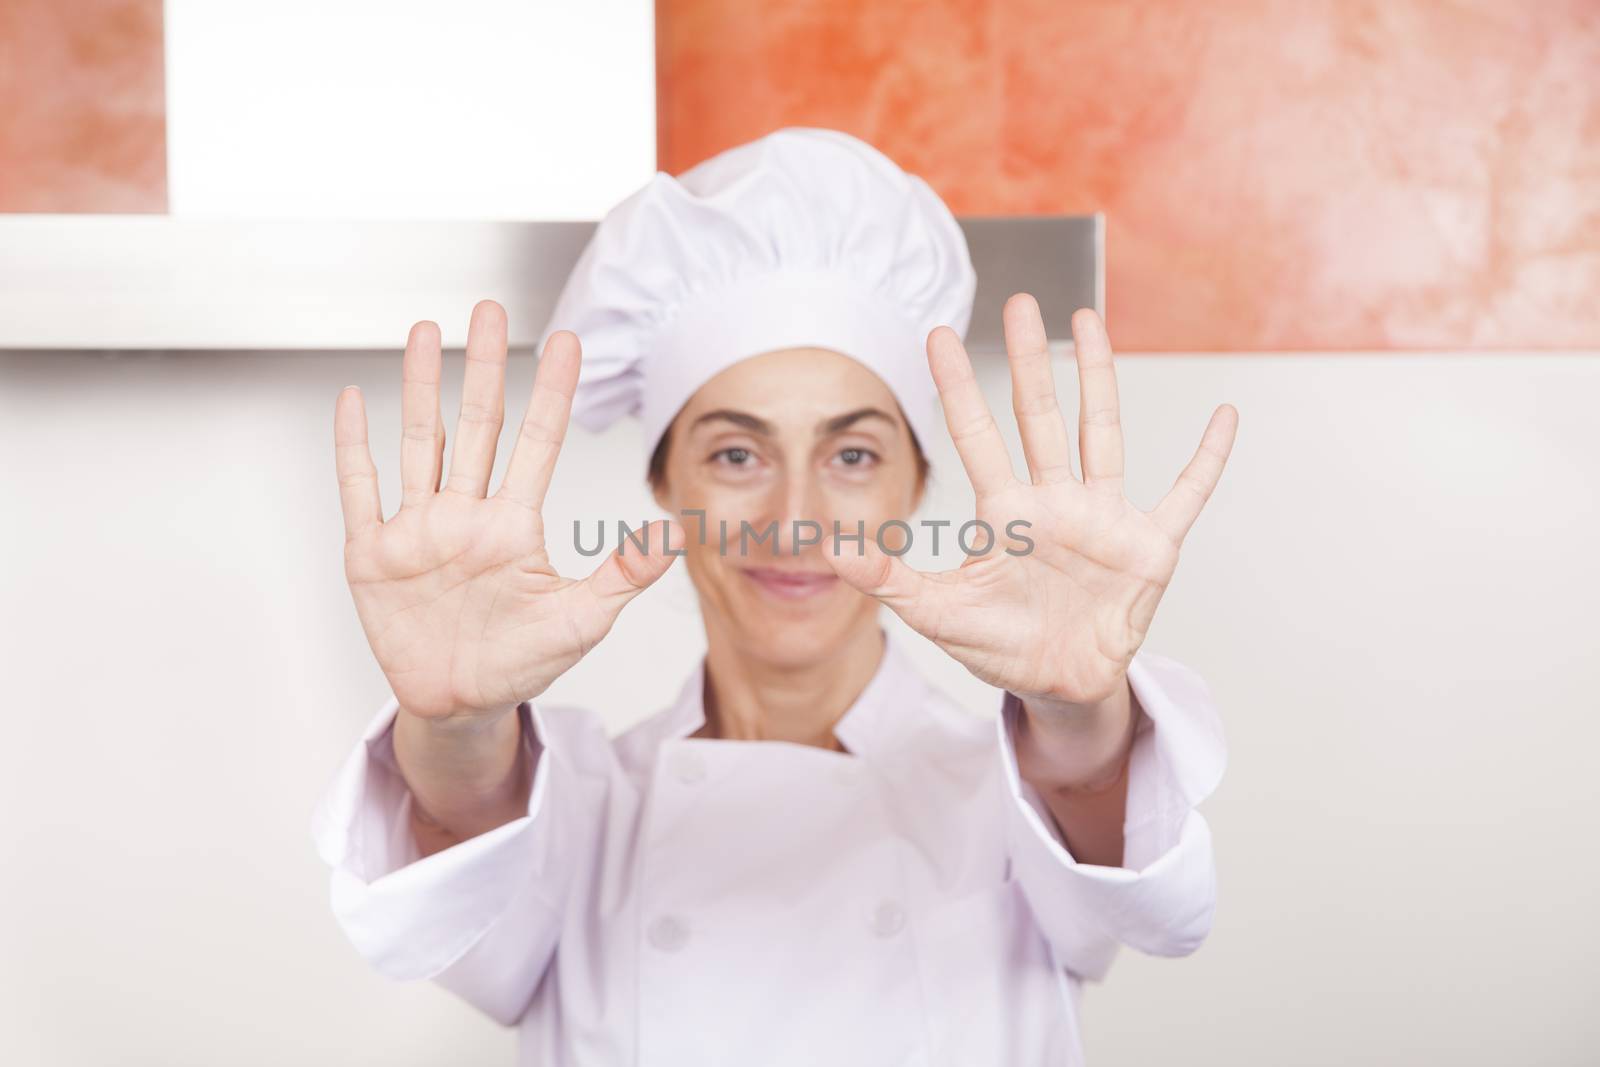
<point>668,933</point>
<point>888,919</point>
<point>688,766</point>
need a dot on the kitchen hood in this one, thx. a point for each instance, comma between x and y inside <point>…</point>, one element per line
<point>167,282</point>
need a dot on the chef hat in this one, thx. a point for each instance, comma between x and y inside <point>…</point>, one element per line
<point>803,238</point>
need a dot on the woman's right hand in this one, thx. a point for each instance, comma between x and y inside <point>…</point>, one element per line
<point>455,591</point>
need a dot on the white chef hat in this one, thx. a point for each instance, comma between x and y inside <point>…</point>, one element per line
<point>805,237</point>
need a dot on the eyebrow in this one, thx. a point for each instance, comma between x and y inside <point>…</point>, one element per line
<point>762,426</point>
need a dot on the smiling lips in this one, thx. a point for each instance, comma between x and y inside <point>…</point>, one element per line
<point>791,585</point>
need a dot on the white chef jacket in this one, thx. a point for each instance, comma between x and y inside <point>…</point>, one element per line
<point>673,901</point>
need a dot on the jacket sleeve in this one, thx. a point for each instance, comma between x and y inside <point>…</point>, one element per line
<point>1162,900</point>
<point>481,917</point>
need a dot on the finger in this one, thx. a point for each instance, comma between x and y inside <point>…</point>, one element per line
<point>422,430</point>
<point>1181,506</point>
<point>966,413</point>
<point>1099,414</point>
<point>868,569</point>
<point>544,427</point>
<point>634,566</point>
<point>358,477</point>
<point>1045,444</point>
<point>483,394</point>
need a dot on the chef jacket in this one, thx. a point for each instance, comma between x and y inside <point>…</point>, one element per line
<point>670,900</point>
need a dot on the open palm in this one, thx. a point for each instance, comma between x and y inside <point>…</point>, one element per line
<point>456,592</point>
<point>1060,621</point>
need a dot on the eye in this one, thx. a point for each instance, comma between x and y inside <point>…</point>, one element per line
<point>734,457</point>
<point>857,457</point>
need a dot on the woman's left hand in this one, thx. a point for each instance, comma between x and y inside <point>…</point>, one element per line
<point>1058,624</point>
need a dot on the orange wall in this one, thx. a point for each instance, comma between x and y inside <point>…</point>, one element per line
<point>1306,175</point>
<point>82,106</point>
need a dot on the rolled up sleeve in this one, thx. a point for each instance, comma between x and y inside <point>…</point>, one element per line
<point>480,917</point>
<point>1161,901</point>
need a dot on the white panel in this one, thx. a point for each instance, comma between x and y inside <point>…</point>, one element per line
<point>490,109</point>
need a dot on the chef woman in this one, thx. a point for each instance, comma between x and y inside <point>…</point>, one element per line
<point>809,855</point>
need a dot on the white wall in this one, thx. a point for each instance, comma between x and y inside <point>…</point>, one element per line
<point>1392,595</point>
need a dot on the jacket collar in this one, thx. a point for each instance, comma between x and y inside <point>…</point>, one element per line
<point>867,726</point>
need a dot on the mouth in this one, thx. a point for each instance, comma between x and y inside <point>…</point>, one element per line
<point>791,585</point>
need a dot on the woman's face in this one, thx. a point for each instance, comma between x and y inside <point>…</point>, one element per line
<point>771,442</point>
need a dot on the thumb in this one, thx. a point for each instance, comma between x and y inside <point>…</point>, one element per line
<point>638,561</point>
<point>869,569</point>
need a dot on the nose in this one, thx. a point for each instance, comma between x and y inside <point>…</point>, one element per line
<point>798,507</point>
